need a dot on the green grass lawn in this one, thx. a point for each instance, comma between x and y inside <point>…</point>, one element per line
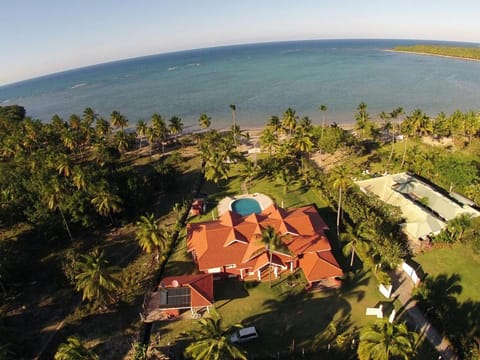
<point>458,258</point>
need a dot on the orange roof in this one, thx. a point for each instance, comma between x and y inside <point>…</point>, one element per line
<point>233,239</point>
<point>201,287</point>
<point>319,265</point>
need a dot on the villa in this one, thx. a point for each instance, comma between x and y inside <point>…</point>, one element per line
<point>230,245</point>
<point>425,208</point>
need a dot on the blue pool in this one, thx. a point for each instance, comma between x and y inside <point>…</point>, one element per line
<point>246,206</point>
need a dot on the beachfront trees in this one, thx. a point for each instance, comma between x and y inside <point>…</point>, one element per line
<point>73,349</point>
<point>289,121</point>
<point>102,128</point>
<point>106,202</point>
<point>159,129</point>
<point>117,120</point>
<point>233,107</point>
<point>268,140</point>
<point>274,123</point>
<point>150,236</point>
<point>323,108</point>
<point>363,123</point>
<point>204,121</point>
<point>141,130</point>
<point>384,341</point>
<point>175,126</point>
<point>95,278</point>
<point>210,340</point>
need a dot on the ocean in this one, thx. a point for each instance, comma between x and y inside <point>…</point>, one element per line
<point>261,80</point>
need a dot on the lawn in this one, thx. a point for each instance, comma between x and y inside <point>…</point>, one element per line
<point>459,259</point>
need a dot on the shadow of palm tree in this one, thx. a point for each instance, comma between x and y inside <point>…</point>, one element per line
<point>351,281</point>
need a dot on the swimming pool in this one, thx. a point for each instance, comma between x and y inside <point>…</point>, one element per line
<point>246,206</point>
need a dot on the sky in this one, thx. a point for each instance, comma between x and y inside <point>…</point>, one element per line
<point>38,37</point>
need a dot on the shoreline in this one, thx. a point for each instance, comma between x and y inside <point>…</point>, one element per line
<point>436,55</point>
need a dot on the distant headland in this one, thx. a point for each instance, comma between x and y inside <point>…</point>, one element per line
<point>465,53</point>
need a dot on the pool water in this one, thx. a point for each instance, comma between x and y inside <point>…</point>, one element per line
<point>246,207</point>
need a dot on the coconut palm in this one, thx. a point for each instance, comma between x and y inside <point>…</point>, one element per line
<point>273,241</point>
<point>233,107</point>
<point>102,128</point>
<point>394,116</point>
<point>117,120</point>
<point>341,181</point>
<point>175,125</point>
<point>73,349</point>
<point>74,122</point>
<point>159,127</point>
<point>289,120</point>
<point>54,199</point>
<point>268,139</point>
<point>150,236</point>
<point>95,278</point>
<point>210,340</point>
<point>362,119</point>
<point>274,123</point>
<point>204,121</point>
<point>323,108</point>
<point>141,130</point>
<point>89,117</point>
<point>384,341</point>
<point>353,242</point>
<point>106,202</point>
<point>121,141</point>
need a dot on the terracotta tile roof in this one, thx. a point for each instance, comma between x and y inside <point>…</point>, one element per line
<point>201,287</point>
<point>233,239</point>
<point>319,265</point>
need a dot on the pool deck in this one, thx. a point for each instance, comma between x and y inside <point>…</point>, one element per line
<point>225,204</point>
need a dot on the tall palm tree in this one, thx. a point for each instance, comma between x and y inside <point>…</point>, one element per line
<point>394,116</point>
<point>341,182</point>
<point>353,242</point>
<point>106,202</point>
<point>141,130</point>
<point>102,128</point>
<point>204,121</point>
<point>89,116</point>
<point>95,278</point>
<point>175,125</point>
<point>233,107</point>
<point>54,200</point>
<point>323,108</point>
<point>150,236</point>
<point>274,123</point>
<point>273,241</point>
<point>118,120</point>
<point>458,225</point>
<point>384,341</point>
<point>75,122</point>
<point>268,139</point>
<point>160,129</point>
<point>210,340</point>
<point>73,349</point>
<point>121,141</point>
<point>362,119</point>
<point>289,120</point>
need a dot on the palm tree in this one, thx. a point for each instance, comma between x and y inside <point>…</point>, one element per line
<point>74,122</point>
<point>141,130</point>
<point>458,225</point>
<point>204,121</point>
<point>274,123</point>
<point>384,341</point>
<point>273,242</point>
<point>353,242</point>
<point>285,177</point>
<point>175,126</point>
<point>73,349</point>
<point>323,108</point>
<point>95,278</point>
<point>233,107</point>
<point>106,202</point>
<point>150,236</point>
<point>394,115</point>
<point>341,181</point>
<point>118,120</point>
<point>159,127</point>
<point>121,141</point>
<point>211,341</point>
<point>362,119</point>
<point>289,121</point>
<point>102,128</point>
<point>54,199</point>
<point>268,139</point>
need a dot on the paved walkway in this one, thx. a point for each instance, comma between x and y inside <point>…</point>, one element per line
<point>404,287</point>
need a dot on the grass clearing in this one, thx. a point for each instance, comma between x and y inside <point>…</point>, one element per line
<point>458,258</point>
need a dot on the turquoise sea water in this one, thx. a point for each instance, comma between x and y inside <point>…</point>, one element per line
<point>262,80</point>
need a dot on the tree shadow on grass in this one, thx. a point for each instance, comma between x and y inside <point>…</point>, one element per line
<point>229,289</point>
<point>296,319</point>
